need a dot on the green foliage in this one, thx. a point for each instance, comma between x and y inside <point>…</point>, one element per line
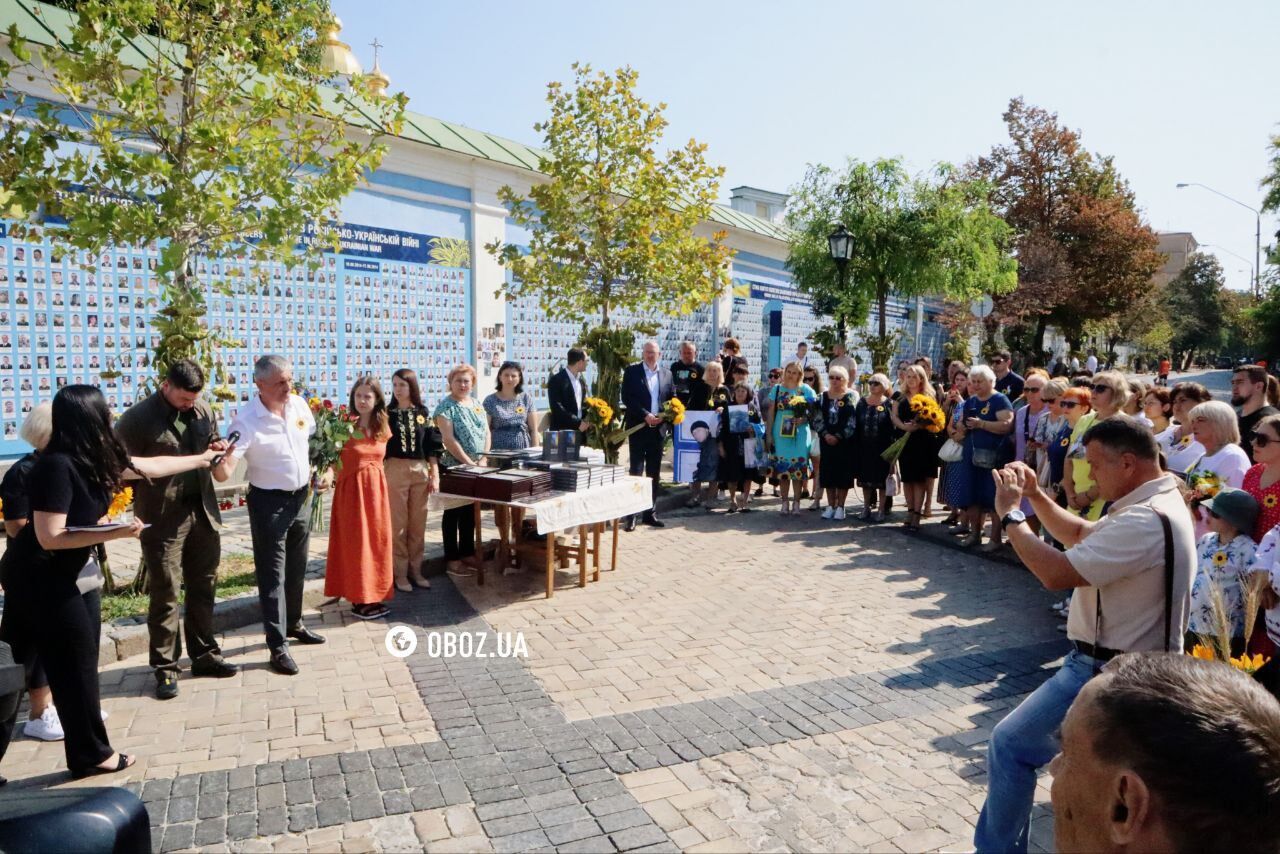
<point>611,348</point>
<point>613,226</point>
<point>1271,183</point>
<point>1196,307</point>
<point>197,125</point>
<point>913,236</point>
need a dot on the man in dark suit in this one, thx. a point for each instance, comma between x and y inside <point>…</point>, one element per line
<point>646,385</point>
<point>566,391</point>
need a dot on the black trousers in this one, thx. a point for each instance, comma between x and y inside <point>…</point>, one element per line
<point>646,445</point>
<point>181,550</point>
<point>458,525</point>
<point>278,523</point>
<point>67,637</point>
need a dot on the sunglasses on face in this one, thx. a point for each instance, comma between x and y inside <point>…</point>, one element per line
<point>1033,389</point>
<point>876,382</point>
<point>1261,440</point>
<point>834,377</point>
<point>1099,389</point>
<point>1069,404</point>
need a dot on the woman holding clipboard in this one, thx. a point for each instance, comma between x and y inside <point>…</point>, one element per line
<point>72,484</point>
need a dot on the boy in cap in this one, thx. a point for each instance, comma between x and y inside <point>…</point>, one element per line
<point>1223,558</point>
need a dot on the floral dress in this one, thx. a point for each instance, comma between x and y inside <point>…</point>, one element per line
<point>1265,559</point>
<point>789,454</point>
<point>1227,566</point>
<point>469,426</point>
<point>509,421</point>
<point>1268,500</point>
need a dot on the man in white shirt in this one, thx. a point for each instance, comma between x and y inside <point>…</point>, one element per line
<point>1132,580</point>
<point>1091,363</point>
<point>802,354</point>
<point>842,359</point>
<point>274,433</point>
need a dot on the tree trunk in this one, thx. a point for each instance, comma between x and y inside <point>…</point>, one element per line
<point>1042,325</point>
<point>882,302</point>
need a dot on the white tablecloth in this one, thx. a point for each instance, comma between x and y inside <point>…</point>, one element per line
<point>567,510</point>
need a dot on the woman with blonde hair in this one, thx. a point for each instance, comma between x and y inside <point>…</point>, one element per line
<point>918,464</point>
<point>464,431</point>
<point>787,434</point>
<point>1109,394</point>
<point>360,565</point>
<point>1224,463</point>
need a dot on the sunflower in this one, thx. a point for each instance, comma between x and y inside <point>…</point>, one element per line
<point>421,420</point>
<point>301,423</point>
<point>120,501</point>
<point>1219,559</point>
<point>1203,652</point>
<point>1270,501</point>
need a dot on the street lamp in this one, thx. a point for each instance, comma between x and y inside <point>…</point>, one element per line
<point>840,247</point>
<point>1229,252</point>
<point>1257,235</point>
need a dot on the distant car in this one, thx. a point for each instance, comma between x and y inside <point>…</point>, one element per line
<point>1223,363</point>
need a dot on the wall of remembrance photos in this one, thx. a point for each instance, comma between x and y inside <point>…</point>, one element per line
<point>540,345</point>
<point>380,303</point>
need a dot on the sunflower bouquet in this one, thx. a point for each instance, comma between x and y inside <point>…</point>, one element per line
<point>120,502</point>
<point>1203,485</point>
<point>334,426</point>
<point>925,412</point>
<point>1217,646</point>
<point>602,425</point>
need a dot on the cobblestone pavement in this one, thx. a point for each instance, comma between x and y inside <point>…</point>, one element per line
<point>740,683</point>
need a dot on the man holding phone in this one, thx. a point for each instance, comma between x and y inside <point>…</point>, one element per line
<point>182,545</point>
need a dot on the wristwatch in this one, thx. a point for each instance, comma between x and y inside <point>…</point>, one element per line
<point>1013,517</point>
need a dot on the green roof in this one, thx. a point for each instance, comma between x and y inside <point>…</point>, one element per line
<point>44,24</point>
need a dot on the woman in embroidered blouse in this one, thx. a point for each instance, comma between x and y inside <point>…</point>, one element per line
<point>734,457</point>
<point>413,473</point>
<point>464,432</point>
<point>1180,447</point>
<point>513,426</point>
<point>708,394</point>
<point>1224,463</point>
<point>872,437</point>
<point>835,425</point>
<point>1263,480</point>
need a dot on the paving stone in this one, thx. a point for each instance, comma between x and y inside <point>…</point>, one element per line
<point>242,826</point>
<point>507,825</point>
<point>324,766</point>
<point>299,792</point>
<point>637,837</point>
<point>272,822</point>
<point>366,807</point>
<point>177,837</point>
<point>622,820</point>
<point>302,818</point>
<point>209,832</point>
<point>527,841</point>
<point>331,812</point>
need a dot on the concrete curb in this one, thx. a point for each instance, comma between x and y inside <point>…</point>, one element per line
<point>128,637</point>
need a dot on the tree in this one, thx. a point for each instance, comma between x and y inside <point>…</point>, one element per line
<point>1196,308</point>
<point>1083,251</point>
<point>913,236</point>
<point>614,224</point>
<point>203,126</point>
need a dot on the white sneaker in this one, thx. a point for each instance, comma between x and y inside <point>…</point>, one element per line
<point>105,714</point>
<point>47,727</point>
<point>839,514</point>
<point>829,513</point>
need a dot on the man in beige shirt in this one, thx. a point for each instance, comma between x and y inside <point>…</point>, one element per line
<point>1128,598</point>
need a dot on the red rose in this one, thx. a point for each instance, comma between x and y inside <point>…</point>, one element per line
<point>328,404</point>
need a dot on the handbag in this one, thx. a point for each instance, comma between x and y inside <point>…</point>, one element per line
<point>986,458</point>
<point>951,451</point>
<point>891,485</point>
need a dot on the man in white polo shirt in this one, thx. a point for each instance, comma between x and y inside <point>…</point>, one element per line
<point>274,431</point>
<point>1131,572</point>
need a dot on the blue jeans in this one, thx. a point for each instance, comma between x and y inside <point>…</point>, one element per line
<point>1022,743</point>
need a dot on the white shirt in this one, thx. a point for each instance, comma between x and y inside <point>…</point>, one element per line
<point>1091,364</point>
<point>275,448</point>
<point>651,379</point>
<point>1123,555</point>
<point>1267,559</point>
<point>577,388</point>
<point>1181,454</point>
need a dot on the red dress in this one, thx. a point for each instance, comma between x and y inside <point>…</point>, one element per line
<point>359,567</point>
<point>1268,501</point>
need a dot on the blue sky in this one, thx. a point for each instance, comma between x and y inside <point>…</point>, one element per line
<point>1176,91</point>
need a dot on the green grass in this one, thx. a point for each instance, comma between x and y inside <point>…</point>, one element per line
<point>235,576</point>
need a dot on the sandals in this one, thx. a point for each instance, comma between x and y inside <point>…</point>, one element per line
<point>371,611</point>
<point>123,761</point>
<point>403,585</point>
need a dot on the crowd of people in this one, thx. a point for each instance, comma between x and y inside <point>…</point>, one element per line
<point>1064,467</point>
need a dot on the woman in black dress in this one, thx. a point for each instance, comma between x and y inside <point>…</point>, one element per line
<point>918,465</point>
<point>71,485</point>
<point>873,434</point>
<point>835,424</point>
<point>734,471</point>
<point>708,394</point>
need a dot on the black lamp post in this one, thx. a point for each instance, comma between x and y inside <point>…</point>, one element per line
<point>840,247</point>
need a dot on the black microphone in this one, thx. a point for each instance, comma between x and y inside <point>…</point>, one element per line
<point>232,439</point>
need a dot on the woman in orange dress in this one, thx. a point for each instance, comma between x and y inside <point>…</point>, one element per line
<point>360,563</point>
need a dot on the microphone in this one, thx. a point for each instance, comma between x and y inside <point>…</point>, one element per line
<point>232,439</point>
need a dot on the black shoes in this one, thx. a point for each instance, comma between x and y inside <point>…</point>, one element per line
<point>304,635</point>
<point>166,685</point>
<point>630,524</point>
<point>652,521</point>
<point>214,666</point>
<point>282,662</point>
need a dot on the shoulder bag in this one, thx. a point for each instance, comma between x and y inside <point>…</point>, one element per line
<point>1168,589</point>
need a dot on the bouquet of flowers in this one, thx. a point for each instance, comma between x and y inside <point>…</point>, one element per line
<point>799,406</point>
<point>120,502</point>
<point>928,414</point>
<point>334,426</point>
<point>672,412</point>
<point>1217,646</point>
<point>1204,484</point>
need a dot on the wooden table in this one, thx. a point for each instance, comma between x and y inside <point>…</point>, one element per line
<point>587,512</point>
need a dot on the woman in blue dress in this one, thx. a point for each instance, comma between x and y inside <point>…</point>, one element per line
<point>513,426</point>
<point>787,436</point>
<point>988,418</point>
